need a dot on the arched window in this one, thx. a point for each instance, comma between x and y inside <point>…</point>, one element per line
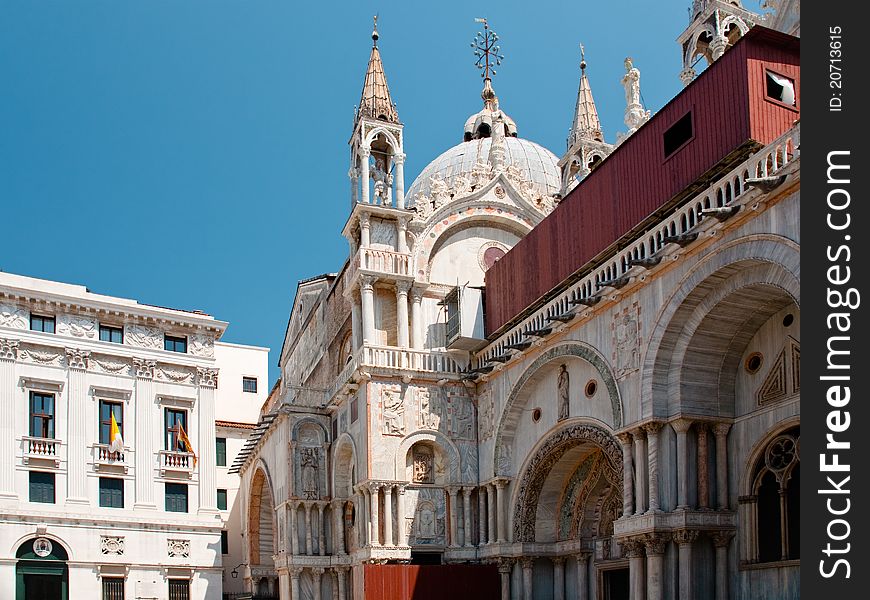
<point>772,511</point>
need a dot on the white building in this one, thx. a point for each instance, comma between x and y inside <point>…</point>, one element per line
<point>79,519</point>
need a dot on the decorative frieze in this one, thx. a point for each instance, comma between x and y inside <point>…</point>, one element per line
<point>77,326</point>
<point>77,359</point>
<point>49,357</point>
<point>144,368</point>
<point>143,336</point>
<point>105,364</point>
<point>201,345</point>
<point>12,315</point>
<point>8,349</point>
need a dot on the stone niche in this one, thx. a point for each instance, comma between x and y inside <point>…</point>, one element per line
<point>309,448</point>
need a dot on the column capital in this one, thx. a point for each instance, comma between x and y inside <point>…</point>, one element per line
<point>341,569</point>
<point>403,223</point>
<point>631,547</point>
<point>685,536</point>
<point>681,425</point>
<point>527,562</point>
<point>77,359</point>
<point>319,571</point>
<point>505,565</point>
<point>365,151</point>
<point>652,428</point>
<point>399,158</point>
<point>374,486</point>
<point>353,173</point>
<point>453,489</point>
<point>468,489</point>
<point>624,438</point>
<point>295,572</point>
<point>144,368</point>
<point>582,557</point>
<point>558,560</point>
<point>721,539</point>
<point>501,482</point>
<point>364,219</point>
<point>687,75</point>
<point>367,282</point>
<point>721,429</point>
<point>8,349</point>
<point>655,543</point>
<point>417,293</point>
<point>206,377</point>
<point>403,287</point>
<point>639,434</point>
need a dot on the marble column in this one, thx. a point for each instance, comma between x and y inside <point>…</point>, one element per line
<point>582,576</point>
<point>720,431</point>
<point>505,565</point>
<point>481,515</point>
<point>388,515</point>
<point>454,520</point>
<point>338,525</point>
<point>367,297</point>
<point>77,431</point>
<point>467,540</point>
<point>490,497</point>
<point>527,565</point>
<point>365,229</point>
<point>283,584</point>
<point>652,436</point>
<point>207,380</point>
<point>8,391</point>
<point>401,535</point>
<point>294,527</point>
<point>558,577</point>
<point>317,577</point>
<point>639,466</point>
<point>417,319</point>
<point>625,441</point>
<point>655,552</point>
<point>402,288</point>
<point>684,539</point>
<point>399,161</point>
<point>633,549</point>
<point>501,509</point>
<point>295,573</point>
<point>364,520</point>
<point>402,231</point>
<point>309,538</point>
<point>144,439</point>
<point>353,175</point>
<point>333,573</point>
<point>374,514</point>
<point>681,427</point>
<point>342,583</point>
<point>356,319</point>
<point>321,532</point>
<point>721,540</point>
<point>703,473</point>
<point>364,176</point>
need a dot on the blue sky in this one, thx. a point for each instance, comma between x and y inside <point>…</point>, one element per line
<point>193,153</point>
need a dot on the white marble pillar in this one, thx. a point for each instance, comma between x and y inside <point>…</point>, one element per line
<point>720,541</point>
<point>399,161</point>
<point>309,538</point>
<point>388,515</point>
<point>681,427</point>
<point>283,584</point>
<point>333,573</point>
<point>341,578</point>
<point>77,431</point>
<point>356,319</point>
<point>720,432</point>
<point>402,538</point>
<point>375,532</point>
<point>453,511</point>
<point>633,549</point>
<point>640,470</point>
<point>417,319</point>
<point>207,380</point>
<point>353,175</point>
<point>655,552</point>
<point>501,509</point>
<point>582,576</point>
<point>481,515</point>
<point>295,573</point>
<point>364,176</point>
<point>625,440</point>
<point>317,578</point>
<point>364,230</point>
<point>402,288</point>
<point>684,539</point>
<point>338,526</point>
<point>8,389</point>
<point>652,437</point>
<point>527,565</point>
<point>558,577</point>
<point>505,565</point>
<point>321,532</point>
<point>293,508</point>
<point>467,540</point>
<point>144,441</point>
<point>490,512</point>
<point>367,296</point>
<point>703,473</point>
<point>364,521</point>
<point>402,232</point>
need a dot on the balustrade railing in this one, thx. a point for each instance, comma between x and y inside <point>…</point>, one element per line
<point>41,448</point>
<point>104,456</point>
<point>176,461</point>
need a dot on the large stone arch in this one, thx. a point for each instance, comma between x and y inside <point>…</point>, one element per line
<point>261,517</point>
<point>543,458</point>
<point>67,548</point>
<point>711,316</point>
<point>518,397</point>
<point>343,466</point>
<point>444,443</point>
<point>294,434</point>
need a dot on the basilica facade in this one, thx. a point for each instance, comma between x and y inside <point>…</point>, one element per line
<point>552,377</point>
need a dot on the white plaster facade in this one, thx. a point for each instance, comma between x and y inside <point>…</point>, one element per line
<point>137,539</point>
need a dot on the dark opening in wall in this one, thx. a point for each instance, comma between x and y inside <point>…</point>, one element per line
<point>678,134</point>
<point>780,88</point>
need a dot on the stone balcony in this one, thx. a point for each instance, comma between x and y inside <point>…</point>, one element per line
<point>106,460</point>
<point>369,261</point>
<point>41,450</point>
<point>175,463</point>
<point>651,522</point>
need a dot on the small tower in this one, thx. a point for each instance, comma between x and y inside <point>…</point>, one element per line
<point>377,159</point>
<point>714,26</point>
<point>586,145</point>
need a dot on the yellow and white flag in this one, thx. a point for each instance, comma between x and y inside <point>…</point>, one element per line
<point>116,442</point>
<point>185,441</point>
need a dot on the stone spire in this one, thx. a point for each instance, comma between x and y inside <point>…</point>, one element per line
<point>376,102</point>
<point>586,124</point>
<point>714,26</point>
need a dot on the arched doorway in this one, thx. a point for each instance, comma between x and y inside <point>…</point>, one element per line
<point>261,522</point>
<point>41,572</point>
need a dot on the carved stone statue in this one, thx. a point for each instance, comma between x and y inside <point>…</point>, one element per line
<point>562,385</point>
<point>310,469</point>
<point>394,413</point>
<point>383,181</point>
<point>426,522</point>
<point>631,82</point>
<point>423,466</point>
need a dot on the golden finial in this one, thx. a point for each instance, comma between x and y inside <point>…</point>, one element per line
<point>375,31</point>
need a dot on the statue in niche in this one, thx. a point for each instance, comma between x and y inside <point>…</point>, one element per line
<point>310,469</point>
<point>423,470</point>
<point>383,181</point>
<point>394,413</point>
<point>562,385</point>
<point>627,358</point>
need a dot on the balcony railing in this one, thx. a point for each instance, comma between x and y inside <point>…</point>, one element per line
<point>380,261</point>
<point>177,462</point>
<point>428,361</point>
<point>104,457</point>
<point>37,448</point>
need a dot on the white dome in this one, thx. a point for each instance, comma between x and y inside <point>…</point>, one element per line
<point>536,163</point>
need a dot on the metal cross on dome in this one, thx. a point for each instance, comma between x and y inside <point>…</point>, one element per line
<point>485,49</point>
